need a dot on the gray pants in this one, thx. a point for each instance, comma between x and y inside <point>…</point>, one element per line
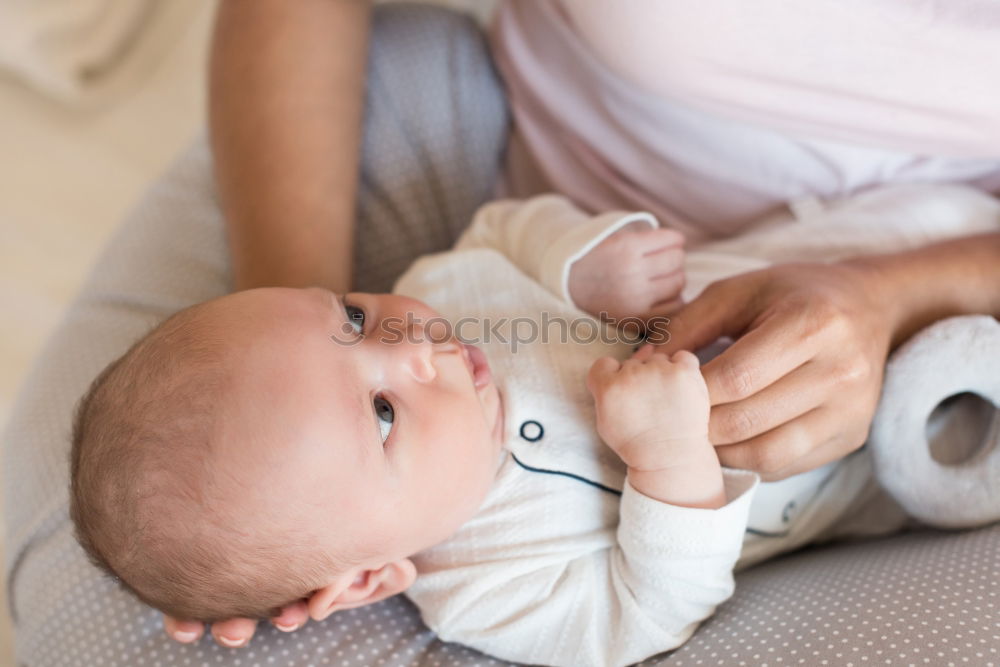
<point>435,128</point>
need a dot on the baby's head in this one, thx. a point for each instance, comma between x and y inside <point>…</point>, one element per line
<point>278,444</point>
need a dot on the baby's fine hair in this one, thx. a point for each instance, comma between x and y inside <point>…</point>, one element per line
<point>142,496</point>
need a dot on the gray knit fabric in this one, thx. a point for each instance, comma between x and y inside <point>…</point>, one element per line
<point>436,126</point>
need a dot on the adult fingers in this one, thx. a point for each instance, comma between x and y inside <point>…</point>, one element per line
<point>186,632</point>
<point>791,396</point>
<point>831,450</point>
<point>790,449</point>
<point>770,350</point>
<point>234,632</point>
<point>722,309</point>
<point>657,320</point>
<point>292,617</point>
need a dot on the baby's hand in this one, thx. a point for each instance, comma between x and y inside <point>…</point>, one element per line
<point>635,272</point>
<point>651,410</point>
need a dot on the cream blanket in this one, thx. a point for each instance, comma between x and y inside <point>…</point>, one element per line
<point>79,51</point>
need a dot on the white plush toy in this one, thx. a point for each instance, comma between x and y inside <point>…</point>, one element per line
<point>935,438</point>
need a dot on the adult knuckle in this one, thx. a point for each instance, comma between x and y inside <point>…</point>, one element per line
<point>767,458</point>
<point>830,313</point>
<point>838,322</point>
<point>737,380</point>
<point>786,453</point>
<point>852,371</point>
<point>739,425</point>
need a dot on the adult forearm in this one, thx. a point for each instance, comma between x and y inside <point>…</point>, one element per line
<point>921,286</point>
<point>286,97</point>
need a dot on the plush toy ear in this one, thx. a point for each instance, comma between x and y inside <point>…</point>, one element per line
<point>958,355</point>
<point>359,587</point>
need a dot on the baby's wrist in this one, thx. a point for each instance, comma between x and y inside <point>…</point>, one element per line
<point>695,482</point>
<point>674,452</point>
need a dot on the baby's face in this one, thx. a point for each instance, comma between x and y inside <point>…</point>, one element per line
<point>350,423</point>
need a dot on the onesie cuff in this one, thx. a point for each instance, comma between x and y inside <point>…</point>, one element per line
<point>652,528</point>
<point>573,245</point>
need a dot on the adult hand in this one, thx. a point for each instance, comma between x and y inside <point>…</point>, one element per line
<point>236,631</point>
<point>799,386</point>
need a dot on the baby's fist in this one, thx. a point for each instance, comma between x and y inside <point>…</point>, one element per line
<point>651,410</point>
<point>635,272</point>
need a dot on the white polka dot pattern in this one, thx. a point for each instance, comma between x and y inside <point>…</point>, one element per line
<point>922,598</point>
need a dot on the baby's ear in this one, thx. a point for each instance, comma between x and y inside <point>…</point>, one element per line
<point>359,587</point>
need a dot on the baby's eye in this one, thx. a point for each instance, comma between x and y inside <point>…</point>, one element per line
<point>355,317</point>
<point>384,414</point>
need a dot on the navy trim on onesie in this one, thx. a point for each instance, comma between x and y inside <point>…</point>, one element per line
<point>763,533</point>
<point>615,491</point>
<point>752,531</point>
<point>566,474</point>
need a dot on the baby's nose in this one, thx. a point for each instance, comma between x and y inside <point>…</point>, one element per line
<point>425,354</point>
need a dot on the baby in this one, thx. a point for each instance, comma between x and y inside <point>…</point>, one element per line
<point>278,444</point>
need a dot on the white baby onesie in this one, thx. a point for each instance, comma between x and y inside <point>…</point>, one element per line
<point>565,563</point>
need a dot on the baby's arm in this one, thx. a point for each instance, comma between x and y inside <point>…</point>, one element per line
<point>551,596</point>
<point>618,263</point>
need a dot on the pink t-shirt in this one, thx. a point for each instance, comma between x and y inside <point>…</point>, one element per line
<point>712,114</point>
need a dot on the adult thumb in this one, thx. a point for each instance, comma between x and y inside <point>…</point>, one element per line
<point>720,310</point>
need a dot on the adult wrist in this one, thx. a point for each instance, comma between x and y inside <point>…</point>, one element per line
<point>916,288</point>
<point>880,280</point>
<point>304,250</point>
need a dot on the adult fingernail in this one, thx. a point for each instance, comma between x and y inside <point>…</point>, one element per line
<point>232,643</point>
<point>185,637</point>
<point>286,628</point>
